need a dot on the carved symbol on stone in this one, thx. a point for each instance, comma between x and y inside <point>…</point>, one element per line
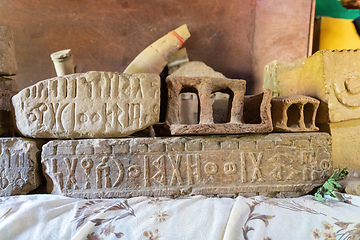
<point>196,167</point>
<point>325,165</point>
<point>211,168</point>
<point>87,165</point>
<point>176,177</point>
<point>4,182</point>
<point>230,168</point>
<point>256,163</point>
<point>104,167</point>
<point>19,181</point>
<point>243,167</point>
<point>71,167</point>
<point>347,92</point>
<point>5,156</point>
<point>160,176</point>
<point>134,171</point>
<point>58,175</point>
<point>82,118</point>
<point>283,163</point>
<point>146,171</point>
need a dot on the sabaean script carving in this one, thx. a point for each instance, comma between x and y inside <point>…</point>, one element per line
<point>286,169</point>
<point>19,167</point>
<point>88,105</point>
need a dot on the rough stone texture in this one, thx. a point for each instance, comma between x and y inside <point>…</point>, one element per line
<point>203,87</point>
<point>88,105</point>
<point>294,114</point>
<point>333,77</point>
<point>8,65</point>
<point>20,171</point>
<point>7,125</point>
<point>270,164</point>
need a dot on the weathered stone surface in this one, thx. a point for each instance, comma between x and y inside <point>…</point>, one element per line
<point>330,76</point>
<point>333,77</point>
<point>294,114</point>
<point>7,126</point>
<point>20,170</point>
<point>8,65</point>
<point>203,87</point>
<point>88,105</point>
<point>272,164</point>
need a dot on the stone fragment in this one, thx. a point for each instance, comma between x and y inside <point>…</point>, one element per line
<point>63,62</point>
<point>7,126</point>
<point>203,87</point>
<point>20,171</point>
<point>154,58</point>
<point>274,164</point>
<point>8,65</point>
<point>333,77</point>
<point>294,114</point>
<point>88,105</point>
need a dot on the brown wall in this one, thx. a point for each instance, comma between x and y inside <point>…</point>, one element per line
<point>106,35</point>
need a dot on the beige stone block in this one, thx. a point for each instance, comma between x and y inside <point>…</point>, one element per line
<point>208,165</point>
<point>8,65</point>
<point>294,114</point>
<point>88,105</point>
<point>330,76</point>
<point>20,170</point>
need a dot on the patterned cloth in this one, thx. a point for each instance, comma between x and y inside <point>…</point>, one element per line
<point>56,217</point>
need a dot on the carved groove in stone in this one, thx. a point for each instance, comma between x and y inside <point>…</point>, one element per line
<point>291,166</point>
<point>294,114</point>
<point>204,87</point>
<point>92,104</point>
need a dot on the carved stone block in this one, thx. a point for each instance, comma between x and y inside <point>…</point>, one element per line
<point>294,114</point>
<point>7,126</point>
<point>203,87</point>
<point>88,105</point>
<point>8,65</point>
<point>20,171</point>
<point>272,164</point>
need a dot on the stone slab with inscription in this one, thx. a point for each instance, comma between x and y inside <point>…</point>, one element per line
<point>20,170</point>
<point>88,105</point>
<point>275,164</point>
<point>8,64</point>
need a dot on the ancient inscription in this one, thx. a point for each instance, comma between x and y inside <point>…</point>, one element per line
<point>284,168</point>
<point>19,167</point>
<point>88,105</point>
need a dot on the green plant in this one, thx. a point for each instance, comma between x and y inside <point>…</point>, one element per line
<point>330,185</point>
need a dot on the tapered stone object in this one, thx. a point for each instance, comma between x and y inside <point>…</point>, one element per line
<point>20,170</point>
<point>270,164</point>
<point>8,65</point>
<point>88,105</point>
<point>294,114</point>
<point>154,58</point>
<point>203,87</point>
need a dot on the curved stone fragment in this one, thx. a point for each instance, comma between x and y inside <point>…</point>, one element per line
<point>88,105</point>
<point>20,171</point>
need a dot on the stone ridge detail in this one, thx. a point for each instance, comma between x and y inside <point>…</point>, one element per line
<point>20,171</point>
<point>275,164</point>
<point>88,105</point>
<point>204,87</point>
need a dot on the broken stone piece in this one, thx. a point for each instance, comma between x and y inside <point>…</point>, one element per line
<point>330,76</point>
<point>203,87</point>
<point>8,65</point>
<point>88,105</point>
<point>7,126</point>
<point>63,62</point>
<point>20,171</point>
<point>279,164</point>
<point>154,58</point>
<point>294,114</point>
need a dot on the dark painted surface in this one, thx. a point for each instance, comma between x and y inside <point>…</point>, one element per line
<point>106,35</point>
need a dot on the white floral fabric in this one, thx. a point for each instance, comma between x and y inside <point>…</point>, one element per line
<point>57,217</point>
